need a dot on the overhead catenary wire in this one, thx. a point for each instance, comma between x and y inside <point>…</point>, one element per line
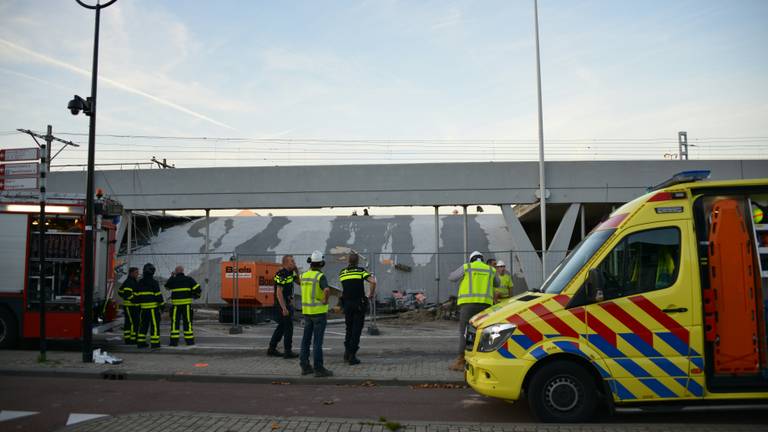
<point>134,150</point>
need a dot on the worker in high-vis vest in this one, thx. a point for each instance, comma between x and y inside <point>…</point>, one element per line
<point>127,292</point>
<point>150,301</point>
<point>314,306</point>
<point>476,292</point>
<point>504,290</point>
<point>183,290</point>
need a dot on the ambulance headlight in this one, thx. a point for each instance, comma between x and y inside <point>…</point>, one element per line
<point>493,337</point>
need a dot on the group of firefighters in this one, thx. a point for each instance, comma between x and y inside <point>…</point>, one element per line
<point>143,303</point>
<point>481,284</point>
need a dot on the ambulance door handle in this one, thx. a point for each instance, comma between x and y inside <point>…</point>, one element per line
<point>675,310</point>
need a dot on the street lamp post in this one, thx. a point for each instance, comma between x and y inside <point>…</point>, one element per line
<point>89,108</point>
<point>542,184</point>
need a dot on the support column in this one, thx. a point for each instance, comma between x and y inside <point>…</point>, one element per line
<point>437,254</point>
<point>583,221</point>
<point>207,253</point>
<point>466,235</point>
<point>562,239</point>
<point>129,244</point>
<point>121,229</point>
<point>529,261</point>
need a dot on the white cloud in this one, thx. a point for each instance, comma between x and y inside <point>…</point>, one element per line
<point>451,18</point>
<point>122,86</point>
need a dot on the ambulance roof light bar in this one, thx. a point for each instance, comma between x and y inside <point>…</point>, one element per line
<point>682,177</point>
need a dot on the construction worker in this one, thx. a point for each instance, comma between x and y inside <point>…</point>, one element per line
<point>504,291</point>
<point>314,306</point>
<point>478,281</point>
<point>130,311</point>
<point>150,301</point>
<point>354,302</point>
<point>183,290</point>
<point>284,280</point>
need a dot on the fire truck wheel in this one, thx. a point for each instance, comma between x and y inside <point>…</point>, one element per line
<point>9,330</point>
<point>563,392</point>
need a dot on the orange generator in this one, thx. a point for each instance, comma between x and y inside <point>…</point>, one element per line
<point>252,284</point>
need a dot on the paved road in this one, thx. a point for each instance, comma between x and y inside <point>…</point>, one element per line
<point>435,337</point>
<point>55,399</point>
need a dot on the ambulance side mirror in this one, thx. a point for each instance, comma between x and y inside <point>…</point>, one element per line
<point>595,285</point>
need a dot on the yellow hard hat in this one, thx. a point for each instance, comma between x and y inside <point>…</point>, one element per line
<point>757,215</point>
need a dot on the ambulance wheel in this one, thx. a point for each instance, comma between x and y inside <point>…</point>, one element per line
<point>9,330</point>
<point>563,392</point>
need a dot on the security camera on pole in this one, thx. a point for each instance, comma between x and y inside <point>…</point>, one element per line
<point>88,106</point>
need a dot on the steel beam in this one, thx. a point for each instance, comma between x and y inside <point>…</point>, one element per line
<point>390,185</point>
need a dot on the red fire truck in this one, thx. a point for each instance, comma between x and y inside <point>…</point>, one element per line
<point>20,270</point>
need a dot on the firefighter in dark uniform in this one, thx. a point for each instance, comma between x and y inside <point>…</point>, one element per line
<point>150,301</point>
<point>130,311</point>
<point>183,290</point>
<point>285,278</point>
<point>354,303</point>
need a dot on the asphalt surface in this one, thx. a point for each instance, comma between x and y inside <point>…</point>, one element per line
<point>56,398</point>
<point>396,337</point>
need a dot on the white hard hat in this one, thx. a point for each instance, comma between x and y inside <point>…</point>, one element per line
<point>500,263</point>
<point>317,257</point>
<point>474,254</point>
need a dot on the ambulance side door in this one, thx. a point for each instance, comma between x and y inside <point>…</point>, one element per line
<point>642,320</point>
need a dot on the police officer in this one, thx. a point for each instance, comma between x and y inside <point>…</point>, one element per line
<point>354,303</point>
<point>130,311</point>
<point>283,310</point>
<point>314,306</point>
<point>478,281</point>
<point>149,300</point>
<point>504,291</point>
<point>183,290</point>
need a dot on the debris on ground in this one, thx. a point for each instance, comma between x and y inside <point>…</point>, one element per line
<point>275,426</point>
<point>390,425</point>
<point>103,357</point>
<point>329,402</point>
<point>418,315</point>
<point>448,310</point>
<point>280,383</point>
<point>393,426</point>
<point>201,365</point>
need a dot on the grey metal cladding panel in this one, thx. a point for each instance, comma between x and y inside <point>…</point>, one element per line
<point>13,238</point>
<point>317,199</point>
<point>384,185</point>
<point>754,169</point>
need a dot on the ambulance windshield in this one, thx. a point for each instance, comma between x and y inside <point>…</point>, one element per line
<point>571,265</point>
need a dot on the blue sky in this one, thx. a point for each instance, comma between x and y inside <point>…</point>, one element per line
<point>409,72</point>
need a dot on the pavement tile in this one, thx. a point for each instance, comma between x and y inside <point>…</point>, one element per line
<point>193,422</point>
<point>255,365</point>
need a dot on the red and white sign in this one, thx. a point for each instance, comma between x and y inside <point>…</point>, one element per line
<point>20,170</point>
<point>19,154</point>
<point>18,183</point>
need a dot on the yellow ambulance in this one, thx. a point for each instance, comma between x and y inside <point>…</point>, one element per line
<point>665,301</point>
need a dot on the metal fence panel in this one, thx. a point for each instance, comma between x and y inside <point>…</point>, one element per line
<point>408,273</point>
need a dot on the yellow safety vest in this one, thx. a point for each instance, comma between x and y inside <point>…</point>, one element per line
<point>311,294</point>
<point>505,290</point>
<point>665,270</point>
<point>477,284</point>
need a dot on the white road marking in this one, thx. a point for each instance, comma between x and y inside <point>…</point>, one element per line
<point>75,418</point>
<point>10,415</point>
